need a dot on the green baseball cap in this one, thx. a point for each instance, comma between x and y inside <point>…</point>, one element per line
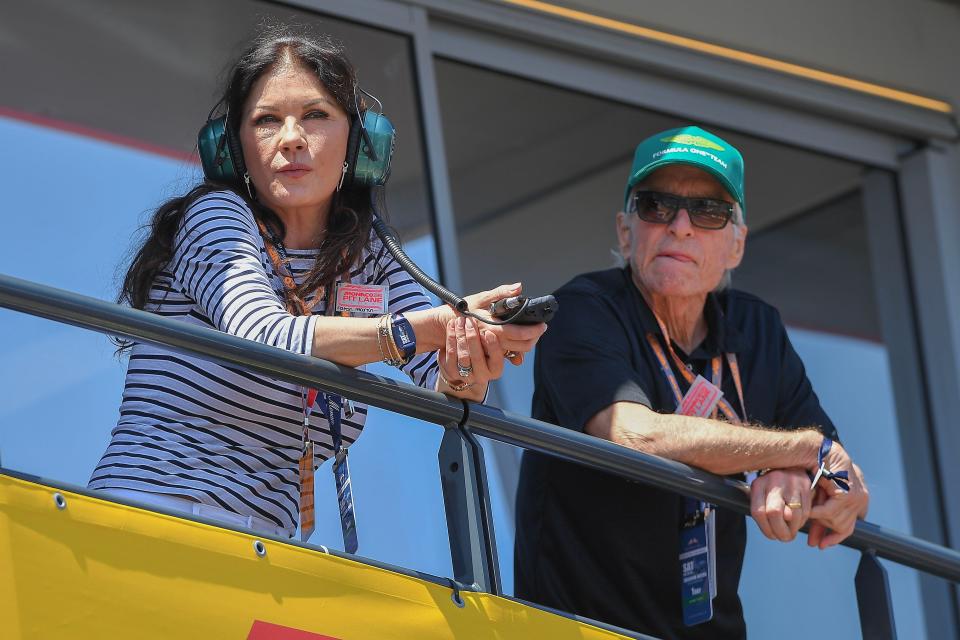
<point>693,146</point>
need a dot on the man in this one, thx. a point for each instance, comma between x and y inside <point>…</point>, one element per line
<point>617,363</point>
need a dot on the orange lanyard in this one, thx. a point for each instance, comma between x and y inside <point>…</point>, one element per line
<point>281,265</point>
<point>716,374</point>
<point>332,405</point>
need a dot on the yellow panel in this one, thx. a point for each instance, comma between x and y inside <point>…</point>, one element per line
<point>97,569</point>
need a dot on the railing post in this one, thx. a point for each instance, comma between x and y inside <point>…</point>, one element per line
<point>873,599</point>
<point>469,523</point>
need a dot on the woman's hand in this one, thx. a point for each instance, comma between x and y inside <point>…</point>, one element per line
<point>515,339</point>
<point>469,360</point>
<point>474,352</point>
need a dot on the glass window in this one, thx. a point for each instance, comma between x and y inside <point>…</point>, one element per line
<point>538,174</point>
<point>102,102</point>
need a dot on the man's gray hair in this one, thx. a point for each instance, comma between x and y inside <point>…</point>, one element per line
<point>620,261</point>
<point>737,222</point>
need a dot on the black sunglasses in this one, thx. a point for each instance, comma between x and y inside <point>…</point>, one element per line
<point>662,208</point>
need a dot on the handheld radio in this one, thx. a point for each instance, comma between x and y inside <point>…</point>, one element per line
<point>522,310</point>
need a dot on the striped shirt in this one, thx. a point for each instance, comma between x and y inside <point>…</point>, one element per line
<point>221,435</point>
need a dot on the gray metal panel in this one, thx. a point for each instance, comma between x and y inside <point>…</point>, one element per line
<point>444,221</point>
<point>395,16</point>
<point>896,307</point>
<point>588,41</point>
<point>473,551</point>
<point>932,229</point>
<point>873,599</point>
<point>696,102</point>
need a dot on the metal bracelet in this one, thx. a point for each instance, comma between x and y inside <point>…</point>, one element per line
<point>382,333</point>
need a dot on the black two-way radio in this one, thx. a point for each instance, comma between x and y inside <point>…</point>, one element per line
<point>522,310</point>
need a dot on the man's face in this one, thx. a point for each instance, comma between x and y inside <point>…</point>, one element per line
<point>679,259</point>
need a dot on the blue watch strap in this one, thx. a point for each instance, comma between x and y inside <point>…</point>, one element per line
<point>403,336</point>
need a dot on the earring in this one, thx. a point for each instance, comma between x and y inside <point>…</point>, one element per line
<point>343,175</point>
<point>246,180</point>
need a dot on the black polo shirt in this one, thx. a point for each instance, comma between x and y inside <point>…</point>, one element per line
<point>599,546</point>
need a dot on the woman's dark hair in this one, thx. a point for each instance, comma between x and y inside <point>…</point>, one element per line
<point>348,227</point>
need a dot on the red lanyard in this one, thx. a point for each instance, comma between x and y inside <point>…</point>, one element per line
<point>716,374</point>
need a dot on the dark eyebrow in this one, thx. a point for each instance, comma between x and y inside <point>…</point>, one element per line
<point>270,107</point>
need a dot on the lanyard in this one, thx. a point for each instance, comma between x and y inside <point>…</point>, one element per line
<point>716,367</point>
<point>330,404</point>
<point>332,409</point>
<point>698,547</point>
<point>281,265</point>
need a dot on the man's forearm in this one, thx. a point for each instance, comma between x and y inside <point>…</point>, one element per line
<point>712,445</point>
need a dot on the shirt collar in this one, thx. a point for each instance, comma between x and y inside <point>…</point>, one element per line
<point>722,336</point>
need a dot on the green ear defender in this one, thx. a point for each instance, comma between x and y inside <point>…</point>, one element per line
<point>376,139</point>
<point>370,146</point>
<point>220,155</point>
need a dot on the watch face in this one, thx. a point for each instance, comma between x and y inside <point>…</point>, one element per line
<point>404,335</point>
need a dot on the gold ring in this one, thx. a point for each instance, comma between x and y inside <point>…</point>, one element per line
<point>795,505</point>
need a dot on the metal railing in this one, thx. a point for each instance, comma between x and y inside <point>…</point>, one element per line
<point>470,526</point>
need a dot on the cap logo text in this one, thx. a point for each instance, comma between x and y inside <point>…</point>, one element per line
<point>697,141</point>
<point>692,150</point>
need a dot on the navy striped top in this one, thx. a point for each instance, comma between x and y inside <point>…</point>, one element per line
<point>216,434</point>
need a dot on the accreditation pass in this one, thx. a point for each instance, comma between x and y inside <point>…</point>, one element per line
<point>695,591</point>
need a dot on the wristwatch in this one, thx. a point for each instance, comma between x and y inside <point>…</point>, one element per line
<point>403,336</point>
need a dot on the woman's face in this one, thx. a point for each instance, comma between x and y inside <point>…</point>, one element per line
<point>294,139</point>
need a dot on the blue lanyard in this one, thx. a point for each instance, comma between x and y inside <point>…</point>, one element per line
<point>331,405</point>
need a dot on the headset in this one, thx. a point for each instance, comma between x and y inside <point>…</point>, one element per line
<point>370,146</point>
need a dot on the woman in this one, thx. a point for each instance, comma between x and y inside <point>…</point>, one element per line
<point>263,262</point>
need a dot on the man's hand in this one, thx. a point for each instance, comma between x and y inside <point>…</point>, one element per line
<point>837,510</point>
<point>780,502</point>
